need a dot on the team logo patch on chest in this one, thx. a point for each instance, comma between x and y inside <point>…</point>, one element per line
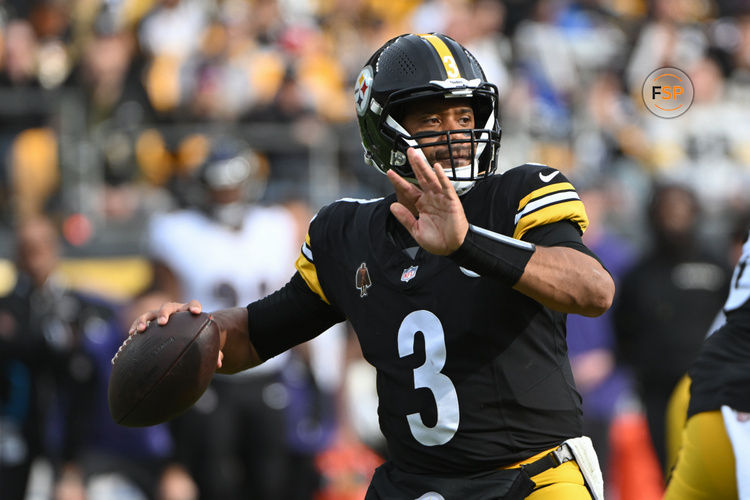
<point>409,273</point>
<point>362,279</point>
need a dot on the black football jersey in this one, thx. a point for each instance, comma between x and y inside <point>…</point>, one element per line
<point>471,375</point>
<point>721,373</point>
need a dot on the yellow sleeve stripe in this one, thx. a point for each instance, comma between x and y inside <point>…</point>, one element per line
<point>307,270</point>
<point>451,69</point>
<point>552,188</point>
<point>550,199</point>
<point>572,210</point>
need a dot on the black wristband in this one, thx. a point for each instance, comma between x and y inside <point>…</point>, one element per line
<point>493,255</point>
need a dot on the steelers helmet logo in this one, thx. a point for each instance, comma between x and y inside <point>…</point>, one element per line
<point>363,89</point>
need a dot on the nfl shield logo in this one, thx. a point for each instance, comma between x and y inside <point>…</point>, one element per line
<point>409,273</point>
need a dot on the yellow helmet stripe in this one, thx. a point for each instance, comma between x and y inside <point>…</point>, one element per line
<point>449,62</point>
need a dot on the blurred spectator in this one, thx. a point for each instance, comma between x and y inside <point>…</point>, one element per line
<point>19,80</point>
<point>595,35</point>
<point>323,78</point>
<point>602,121</point>
<point>355,31</point>
<point>173,27</point>
<point>45,373</point>
<point>293,108</point>
<point>19,55</point>
<point>55,350</point>
<point>34,170</point>
<point>111,461</point>
<point>232,71</point>
<point>169,34</point>
<point>478,26</point>
<point>109,73</point>
<point>51,22</point>
<point>671,37</point>
<point>207,61</point>
<point>700,150</point>
<point>667,301</point>
<point>547,66</point>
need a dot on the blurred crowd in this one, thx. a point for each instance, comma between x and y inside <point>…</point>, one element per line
<point>111,109</point>
<point>111,98</point>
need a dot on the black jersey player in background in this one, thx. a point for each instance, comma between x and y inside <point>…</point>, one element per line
<point>457,286</point>
<point>714,458</point>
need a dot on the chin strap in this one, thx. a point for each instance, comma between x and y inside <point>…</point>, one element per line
<point>493,255</point>
<point>462,187</point>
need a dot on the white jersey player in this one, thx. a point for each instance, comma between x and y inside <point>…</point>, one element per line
<point>226,266</point>
<point>226,252</point>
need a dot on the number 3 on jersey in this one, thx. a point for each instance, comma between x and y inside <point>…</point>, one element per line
<point>429,376</point>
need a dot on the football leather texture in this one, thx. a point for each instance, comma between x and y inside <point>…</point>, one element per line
<point>161,372</point>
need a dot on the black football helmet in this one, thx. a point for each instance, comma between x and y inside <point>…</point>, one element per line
<point>231,177</point>
<point>413,67</point>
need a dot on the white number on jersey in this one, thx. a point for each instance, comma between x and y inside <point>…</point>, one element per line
<point>429,376</point>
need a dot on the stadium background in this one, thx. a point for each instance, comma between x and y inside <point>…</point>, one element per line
<point>106,105</point>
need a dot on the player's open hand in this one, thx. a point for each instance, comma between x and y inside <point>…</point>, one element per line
<point>162,315</point>
<point>440,224</point>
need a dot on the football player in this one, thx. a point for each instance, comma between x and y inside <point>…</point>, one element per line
<point>714,461</point>
<point>457,286</point>
<point>195,252</point>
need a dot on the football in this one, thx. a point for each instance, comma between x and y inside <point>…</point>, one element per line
<point>160,373</point>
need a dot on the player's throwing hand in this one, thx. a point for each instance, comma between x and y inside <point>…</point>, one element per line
<point>162,314</point>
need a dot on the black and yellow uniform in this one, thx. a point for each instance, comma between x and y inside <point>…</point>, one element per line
<point>721,373</point>
<point>720,376</point>
<point>470,378</point>
<point>471,375</point>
